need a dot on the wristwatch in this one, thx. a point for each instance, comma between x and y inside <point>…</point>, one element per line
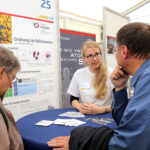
<point>106,110</point>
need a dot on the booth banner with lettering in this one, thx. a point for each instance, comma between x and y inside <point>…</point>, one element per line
<point>71,60</point>
<point>30,30</point>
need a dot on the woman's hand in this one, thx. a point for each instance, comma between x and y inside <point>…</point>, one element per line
<point>89,108</point>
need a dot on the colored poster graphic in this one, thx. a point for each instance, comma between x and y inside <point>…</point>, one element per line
<point>32,34</point>
<point>110,45</point>
<point>5,29</point>
<point>71,43</point>
<point>22,87</point>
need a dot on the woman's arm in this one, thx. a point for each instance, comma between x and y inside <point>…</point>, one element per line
<point>74,101</point>
<point>90,108</point>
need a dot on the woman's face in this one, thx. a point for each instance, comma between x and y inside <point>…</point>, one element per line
<point>92,58</point>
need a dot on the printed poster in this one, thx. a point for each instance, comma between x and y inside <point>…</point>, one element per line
<point>32,34</point>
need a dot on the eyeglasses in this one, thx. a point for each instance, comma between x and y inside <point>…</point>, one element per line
<point>15,80</point>
<point>97,55</point>
<point>12,80</point>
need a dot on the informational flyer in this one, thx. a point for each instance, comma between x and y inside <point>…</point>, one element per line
<point>30,30</point>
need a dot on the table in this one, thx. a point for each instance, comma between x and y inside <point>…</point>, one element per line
<point>36,137</point>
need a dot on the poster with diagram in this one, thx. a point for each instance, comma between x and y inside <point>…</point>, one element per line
<point>30,30</point>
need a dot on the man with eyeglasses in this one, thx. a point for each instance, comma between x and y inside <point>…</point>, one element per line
<point>10,138</point>
<point>132,115</point>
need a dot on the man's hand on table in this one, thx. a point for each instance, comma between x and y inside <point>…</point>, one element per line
<point>59,143</point>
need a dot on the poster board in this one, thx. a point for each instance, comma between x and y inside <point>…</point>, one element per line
<point>30,30</point>
<point>113,21</point>
<point>71,60</point>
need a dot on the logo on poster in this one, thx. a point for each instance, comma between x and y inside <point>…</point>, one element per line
<point>41,26</point>
<point>36,25</point>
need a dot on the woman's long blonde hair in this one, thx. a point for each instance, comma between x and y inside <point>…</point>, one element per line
<point>100,78</point>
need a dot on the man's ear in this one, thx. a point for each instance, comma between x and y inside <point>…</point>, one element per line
<point>1,71</point>
<point>125,51</point>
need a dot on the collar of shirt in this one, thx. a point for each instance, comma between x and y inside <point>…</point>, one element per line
<point>139,72</point>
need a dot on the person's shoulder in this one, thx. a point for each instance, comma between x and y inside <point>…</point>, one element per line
<point>81,70</point>
<point>146,73</point>
<point>80,73</point>
<point>145,69</point>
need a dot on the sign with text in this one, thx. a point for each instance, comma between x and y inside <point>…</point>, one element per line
<point>30,30</point>
<point>71,60</point>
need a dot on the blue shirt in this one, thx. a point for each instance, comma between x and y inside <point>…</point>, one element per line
<point>132,115</point>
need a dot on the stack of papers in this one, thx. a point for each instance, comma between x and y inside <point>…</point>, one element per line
<point>44,123</point>
<point>65,122</point>
<point>68,122</point>
<point>72,114</point>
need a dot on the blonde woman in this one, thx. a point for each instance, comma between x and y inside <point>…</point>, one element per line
<point>90,88</point>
